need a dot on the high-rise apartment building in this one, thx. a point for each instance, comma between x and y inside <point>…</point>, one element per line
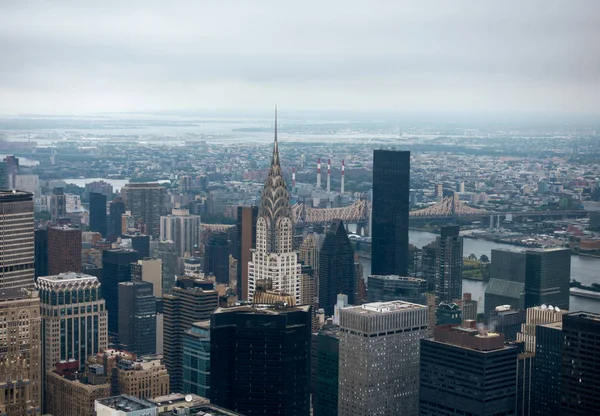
<point>263,360</point>
<point>580,360</point>
<point>274,258</point>
<point>98,217</point>
<point>389,216</point>
<point>139,242</point>
<point>149,270</point>
<point>428,265</point>
<point>388,288</point>
<point>181,309</point>
<point>146,202</point>
<point>167,253</point>
<point>379,358</point>
<point>196,359</point>
<point>217,257</point>
<point>548,275</point>
<point>183,229</point>
<point>137,317</point>
<point>20,352</point>
<point>17,243</point>
<point>74,318</point>
<point>41,252</point>
<point>64,250</point>
<point>246,241</point>
<point>449,263</point>
<point>326,350</point>
<point>467,371</point>
<point>547,377</point>
<point>336,267</point>
<point>116,268</point>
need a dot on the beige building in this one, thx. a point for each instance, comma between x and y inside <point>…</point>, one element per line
<point>68,396</point>
<point>181,228</point>
<point>538,315</point>
<point>20,353</point>
<point>143,378</point>
<point>149,270</point>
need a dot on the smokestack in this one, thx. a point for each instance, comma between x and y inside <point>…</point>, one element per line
<point>342,176</point>
<point>293,179</point>
<point>328,175</point>
<point>319,173</point>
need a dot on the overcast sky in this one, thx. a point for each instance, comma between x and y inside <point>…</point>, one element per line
<point>432,56</point>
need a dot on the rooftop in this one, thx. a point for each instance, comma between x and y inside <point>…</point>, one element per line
<point>586,315</point>
<point>267,310</point>
<point>126,403</point>
<point>10,293</point>
<point>396,277</point>
<point>15,196</point>
<point>68,277</point>
<point>385,307</point>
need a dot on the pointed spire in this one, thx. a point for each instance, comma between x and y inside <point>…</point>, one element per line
<point>275,158</point>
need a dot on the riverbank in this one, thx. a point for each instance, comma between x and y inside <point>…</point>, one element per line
<point>575,291</point>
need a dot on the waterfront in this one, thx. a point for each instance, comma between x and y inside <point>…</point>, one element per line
<point>584,269</point>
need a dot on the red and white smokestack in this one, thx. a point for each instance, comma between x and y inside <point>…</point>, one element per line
<point>342,176</point>
<point>328,175</point>
<point>319,173</point>
<point>294,179</point>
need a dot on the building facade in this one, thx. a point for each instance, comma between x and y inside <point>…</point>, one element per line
<point>217,257</point>
<point>548,275</point>
<point>64,250</point>
<point>537,315</point>
<point>69,396</point>
<point>379,358</point>
<point>137,317</point>
<point>183,229</point>
<point>116,268</point>
<point>146,201</point>
<point>389,216</point>
<point>246,241</point>
<point>143,378</point>
<point>17,243</point>
<point>196,359</point>
<point>326,350</point>
<point>41,252</point>
<point>149,270</point>
<point>547,377</point>
<point>98,217</point>
<point>167,253</point>
<point>449,264</point>
<point>388,288</point>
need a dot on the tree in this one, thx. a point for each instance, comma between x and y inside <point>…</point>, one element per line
<point>472,256</point>
<point>484,259</point>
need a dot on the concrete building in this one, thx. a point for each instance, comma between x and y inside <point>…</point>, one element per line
<point>81,332</point>
<point>124,405</point>
<point>58,204</point>
<point>137,317</point>
<point>196,359</point>
<point>142,378</point>
<point>449,263</point>
<point>537,315</point>
<point>17,243</point>
<point>64,250</point>
<point>467,371</point>
<point>246,230</point>
<point>389,288</point>
<point>139,242</point>
<point>468,307</point>
<point>167,253</point>
<point>379,358</point>
<point>20,355</point>
<point>183,229</point>
<point>146,201</point>
<point>149,270</point>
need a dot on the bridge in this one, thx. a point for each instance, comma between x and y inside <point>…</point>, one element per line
<point>448,207</point>
<point>357,213</point>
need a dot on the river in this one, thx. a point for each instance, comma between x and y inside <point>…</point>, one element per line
<point>584,269</point>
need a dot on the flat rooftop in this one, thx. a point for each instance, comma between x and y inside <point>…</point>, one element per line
<point>586,315</point>
<point>126,403</point>
<point>15,196</point>
<point>385,307</point>
<point>11,293</point>
<point>397,277</point>
<point>67,277</point>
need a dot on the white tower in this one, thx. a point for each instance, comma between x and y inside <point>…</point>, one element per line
<point>328,175</point>
<point>342,190</point>
<point>319,173</point>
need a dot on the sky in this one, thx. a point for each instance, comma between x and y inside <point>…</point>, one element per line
<point>78,57</point>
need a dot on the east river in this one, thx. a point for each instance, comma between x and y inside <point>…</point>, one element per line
<point>584,269</point>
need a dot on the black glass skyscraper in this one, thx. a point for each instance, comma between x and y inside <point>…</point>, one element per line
<point>326,347</point>
<point>116,268</point>
<point>548,274</point>
<point>115,221</point>
<point>137,317</point>
<point>336,267</point>
<point>98,213</point>
<point>217,257</point>
<point>263,357</point>
<point>140,243</point>
<point>549,340</point>
<point>449,263</point>
<point>389,217</point>
<point>41,252</point>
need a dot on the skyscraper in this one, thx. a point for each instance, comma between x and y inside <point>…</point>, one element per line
<point>17,243</point>
<point>149,270</point>
<point>167,253</point>
<point>336,267</point>
<point>326,347</point>
<point>580,359</point>
<point>217,257</point>
<point>181,228</point>
<point>548,275</point>
<point>467,371</point>
<point>82,331</point>
<point>391,177</point>
<point>547,378</point>
<point>58,204</point>
<point>137,317</point>
<point>20,355</point>
<point>41,252</point>
<point>196,359</point>
<point>98,217</point>
<point>64,250</point>
<point>274,258</point>
<point>116,268</point>
<point>428,265</point>
<point>379,358</point>
<point>116,210</point>
<point>246,241</point>
<point>146,201</point>
<point>263,360</point>
<point>181,309</point>
<point>449,263</point>
<point>139,242</point>
<point>537,315</point>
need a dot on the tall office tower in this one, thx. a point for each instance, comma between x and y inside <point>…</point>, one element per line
<point>58,204</point>
<point>149,270</point>
<point>143,378</point>
<point>4,182</point>
<point>98,218</point>
<point>41,252</point>
<point>388,288</point>
<point>263,357</point>
<point>246,241</point>
<point>508,265</point>
<point>146,201</point>
<point>428,267</point>
<point>537,315</point>
<point>379,358</point>
<point>139,242</point>
<point>167,253</point>
<point>507,281</point>
<point>389,216</point>
<point>64,249</point>
<point>17,243</point>
<point>196,359</point>
<point>449,263</point>
<point>548,277</point>
<point>99,187</point>
<point>115,217</point>
<point>326,348</point>
<point>336,267</point>
<point>217,257</point>
<point>549,341</point>
<point>580,358</point>
<point>181,228</point>
<point>181,309</point>
<point>507,321</point>
<point>448,313</point>
<point>83,330</point>
<point>137,317</point>
<point>20,355</point>
<point>274,258</point>
<point>525,360</point>
<point>468,307</point>
<point>116,268</point>
<point>467,371</point>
